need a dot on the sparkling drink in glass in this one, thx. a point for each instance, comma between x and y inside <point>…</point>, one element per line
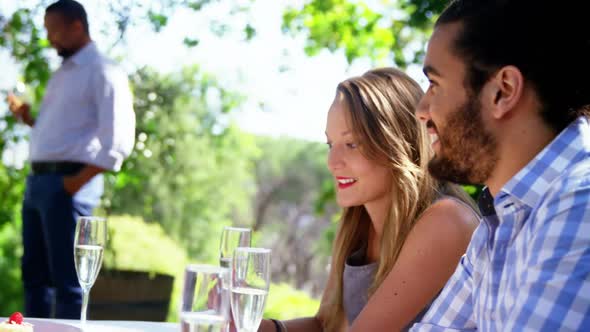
<point>231,238</point>
<point>250,281</point>
<point>16,97</point>
<point>89,242</point>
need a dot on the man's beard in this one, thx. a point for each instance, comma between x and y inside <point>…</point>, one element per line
<point>468,152</point>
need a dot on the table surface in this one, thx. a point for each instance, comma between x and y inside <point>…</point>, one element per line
<point>53,325</point>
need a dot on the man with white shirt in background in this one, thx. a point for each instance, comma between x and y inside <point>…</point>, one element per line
<point>86,125</point>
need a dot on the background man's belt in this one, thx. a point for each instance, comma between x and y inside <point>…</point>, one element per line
<point>58,167</point>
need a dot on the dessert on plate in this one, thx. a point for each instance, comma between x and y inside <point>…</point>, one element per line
<point>15,323</point>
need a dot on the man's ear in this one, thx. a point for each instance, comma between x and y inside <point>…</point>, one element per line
<point>504,91</point>
<point>78,27</point>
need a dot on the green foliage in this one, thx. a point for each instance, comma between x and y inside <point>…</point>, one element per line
<point>379,31</point>
<point>130,238</point>
<point>21,37</point>
<point>158,20</point>
<point>473,191</point>
<point>136,245</point>
<point>190,42</point>
<point>11,192</point>
<point>187,164</point>
<point>284,302</point>
<point>291,167</point>
<point>250,32</point>
<point>11,293</point>
<point>289,176</point>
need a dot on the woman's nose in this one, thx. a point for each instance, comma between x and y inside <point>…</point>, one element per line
<point>335,160</point>
<point>422,112</point>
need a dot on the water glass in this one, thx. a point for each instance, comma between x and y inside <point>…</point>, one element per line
<point>250,281</point>
<point>205,299</point>
<point>89,242</point>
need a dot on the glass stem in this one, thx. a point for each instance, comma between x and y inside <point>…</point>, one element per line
<point>85,294</point>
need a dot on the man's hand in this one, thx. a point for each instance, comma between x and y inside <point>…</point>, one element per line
<point>20,109</point>
<point>73,183</point>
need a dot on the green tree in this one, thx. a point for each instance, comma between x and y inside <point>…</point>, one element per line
<point>289,176</point>
<point>382,30</point>
<point>190,171</point>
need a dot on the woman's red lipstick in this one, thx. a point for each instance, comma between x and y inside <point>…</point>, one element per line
<point>345,182</point>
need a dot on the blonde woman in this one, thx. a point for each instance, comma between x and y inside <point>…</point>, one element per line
<point>402,233</point>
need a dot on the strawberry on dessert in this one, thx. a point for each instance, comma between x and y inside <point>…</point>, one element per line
<point>15,323</point>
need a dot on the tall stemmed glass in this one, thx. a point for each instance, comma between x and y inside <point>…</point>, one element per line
<point>250,281</point>
<point>89,243</point>
<point>231,238</point>
<point>18,97</point>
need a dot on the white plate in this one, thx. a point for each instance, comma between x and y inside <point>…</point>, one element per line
<point>40,325</point>
<point>46,325</point>
<point>91,326</point>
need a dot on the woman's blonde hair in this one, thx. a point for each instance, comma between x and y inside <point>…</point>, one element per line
<point>381,105</point>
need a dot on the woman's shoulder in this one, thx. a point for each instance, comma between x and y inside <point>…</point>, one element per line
<point>448,216</point>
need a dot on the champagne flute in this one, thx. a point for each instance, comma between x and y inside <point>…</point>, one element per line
<point>250,281</point>
<point>18,90</point>
<point>18,95</point>
<point>231,238</point>
<point>205,299</point>
<point>89,243</point>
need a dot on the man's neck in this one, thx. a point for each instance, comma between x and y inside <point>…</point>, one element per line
<point>519,142</point>
<point>82,44</point>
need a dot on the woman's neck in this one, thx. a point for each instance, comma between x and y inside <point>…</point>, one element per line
<point>373,246</point>
<point>377,212</point>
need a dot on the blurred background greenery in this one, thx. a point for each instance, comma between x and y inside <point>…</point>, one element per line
<point>193,170</point>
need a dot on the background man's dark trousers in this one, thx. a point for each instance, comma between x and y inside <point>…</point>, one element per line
<point>49,220</point>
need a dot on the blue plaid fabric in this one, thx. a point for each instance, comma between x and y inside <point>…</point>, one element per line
<point>527,267</point>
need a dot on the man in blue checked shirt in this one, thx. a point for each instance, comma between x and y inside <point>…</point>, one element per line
<point>508,106</point>
<point>86,125</point>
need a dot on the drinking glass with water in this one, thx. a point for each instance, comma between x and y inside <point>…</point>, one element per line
<point>250,281</point>
<point>89,242</point>
<point>205,299</point>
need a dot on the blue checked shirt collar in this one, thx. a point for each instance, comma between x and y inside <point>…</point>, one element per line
<point>534,180</point>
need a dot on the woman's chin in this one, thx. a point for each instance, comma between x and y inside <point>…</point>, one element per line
<point>346,203</point>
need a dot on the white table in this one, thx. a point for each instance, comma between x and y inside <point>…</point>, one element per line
<point>113,325</point>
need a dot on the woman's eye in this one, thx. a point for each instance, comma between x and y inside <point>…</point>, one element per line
<point>351,145</point>
<point>329,144</point>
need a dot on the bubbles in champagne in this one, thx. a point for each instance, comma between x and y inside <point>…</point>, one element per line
<point>88,259</point>
<point>247,307</point>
